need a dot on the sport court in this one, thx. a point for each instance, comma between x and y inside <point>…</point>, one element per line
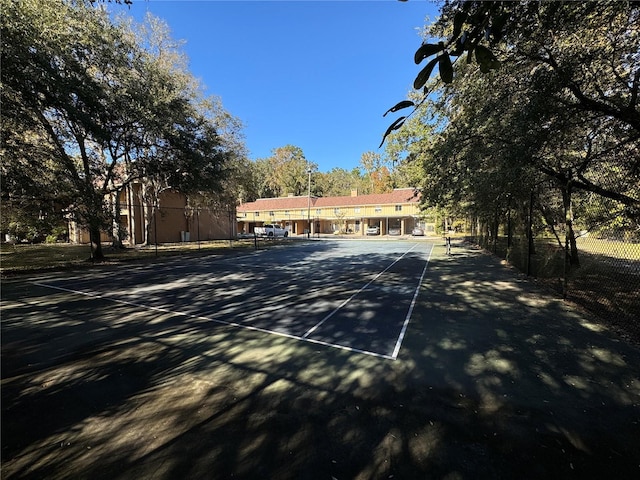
<point>160,377</point>
<point>355,295</point>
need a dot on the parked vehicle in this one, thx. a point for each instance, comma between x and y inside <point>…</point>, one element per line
<point>271,231</point>
<point>394,231</point>
<point>373,230</point>
<point>417,232</point>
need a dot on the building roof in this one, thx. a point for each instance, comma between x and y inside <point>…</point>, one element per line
<point>397,196</point>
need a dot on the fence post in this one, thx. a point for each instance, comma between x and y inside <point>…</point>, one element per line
<point>565,264</point>
<point>198,225</point>
<point>230,228</point>
<point>496,228</point>
<point>568,220</point>
<point>530,234</point>
<point>155,228</point>
<point>509,237</point>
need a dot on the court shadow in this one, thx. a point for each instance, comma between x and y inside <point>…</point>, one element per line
<point>495,378</point>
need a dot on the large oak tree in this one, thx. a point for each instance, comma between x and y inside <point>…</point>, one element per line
<point>559,119</point>
<point>94,105</point>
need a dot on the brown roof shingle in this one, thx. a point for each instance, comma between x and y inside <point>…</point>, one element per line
<point>399,195</point>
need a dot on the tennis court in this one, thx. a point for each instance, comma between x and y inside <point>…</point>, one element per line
<point>352,295</point>
<point>363,359</point>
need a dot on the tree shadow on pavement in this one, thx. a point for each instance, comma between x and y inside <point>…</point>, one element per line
<point>495,380</point>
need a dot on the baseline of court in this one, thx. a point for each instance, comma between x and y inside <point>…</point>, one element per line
<point>356,296</point>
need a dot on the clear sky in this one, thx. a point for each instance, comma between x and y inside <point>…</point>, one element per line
<point>314,74</point>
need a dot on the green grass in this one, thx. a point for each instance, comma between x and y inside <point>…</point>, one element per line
<point>31,257</point>
<point>610,248</point>
<point>25,258</point>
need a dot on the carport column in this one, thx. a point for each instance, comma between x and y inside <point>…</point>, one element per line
<point>402,226</point>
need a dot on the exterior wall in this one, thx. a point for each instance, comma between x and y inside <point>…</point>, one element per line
<point>397,210</point>
<point>81,235</point>
<point>207,225</point>
<point>356,226</point>
<point>170,218</point>
<point>132,214</point>
<point>175,222</point>
<point>77,234</point>
<point>172,223</point>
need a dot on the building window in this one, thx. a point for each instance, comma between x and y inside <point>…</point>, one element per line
<point>286,212</point>
<point>257,214</point>
<point>377,209</point>
<point>398,208</point>
<point>302,213</point>
<point>271,214</point>
<point>336,211</point>
<point>356,210</point>
<point>244,214</point>
<point>318,211</point>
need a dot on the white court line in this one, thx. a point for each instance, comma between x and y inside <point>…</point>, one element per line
<point>221,322</point>
<point>312,329</point>
<point>396,350</point>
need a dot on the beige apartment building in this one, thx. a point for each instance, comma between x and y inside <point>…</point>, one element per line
<point>397,212</point>
<point>171,220</point>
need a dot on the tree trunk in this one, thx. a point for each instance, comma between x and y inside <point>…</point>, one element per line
<point>531,250</point>
<point>572,250</point>
<point>496,229</point>
<point>509,233</point>
<point>96,245</point>
<point>118,230</point>
<point>131,216</point>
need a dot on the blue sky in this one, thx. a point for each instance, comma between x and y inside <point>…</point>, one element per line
<point>314,74</point>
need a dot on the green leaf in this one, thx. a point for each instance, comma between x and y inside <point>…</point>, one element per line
<point>458,21</point>
<point>458,48</point>
<point>394,126</point>
<point>426,50</point>
<point>486,59</point>
<point>483,54</point>
<point>424,74</point>
<point>399,106</point>
<point>470,56</point>
<point>446,68</point>
<point>497,26</point>
<point>464,40</point>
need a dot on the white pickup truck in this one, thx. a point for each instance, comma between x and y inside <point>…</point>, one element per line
<point>271,231</point>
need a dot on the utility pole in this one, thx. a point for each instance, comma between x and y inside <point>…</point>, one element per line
<point>309,205</point>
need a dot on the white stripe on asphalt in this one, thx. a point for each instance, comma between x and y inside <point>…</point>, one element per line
<point>396,350</point>
<point>315,327</point>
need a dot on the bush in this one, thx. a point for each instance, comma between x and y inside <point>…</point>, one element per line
<point>58,234</point>
<point>23,232</point>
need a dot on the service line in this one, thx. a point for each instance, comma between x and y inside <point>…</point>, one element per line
<point>317,325</point>
<point>216,320</point>
<point>396,350</point>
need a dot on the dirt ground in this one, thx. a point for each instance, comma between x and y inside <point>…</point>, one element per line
<point>495,379</point>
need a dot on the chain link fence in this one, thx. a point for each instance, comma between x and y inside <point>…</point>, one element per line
<point>35,234</point>
<point>174,224</point>
<point>589,252</point>
<point>32,220</point>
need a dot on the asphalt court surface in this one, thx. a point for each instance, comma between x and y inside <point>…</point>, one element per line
<point>353,295</point>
